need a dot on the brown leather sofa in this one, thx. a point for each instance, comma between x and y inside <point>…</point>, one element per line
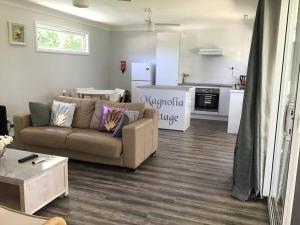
<point>139,140</point>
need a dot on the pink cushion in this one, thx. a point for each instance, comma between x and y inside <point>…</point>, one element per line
<point>110,118</point>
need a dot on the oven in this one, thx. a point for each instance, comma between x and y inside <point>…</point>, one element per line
<point>207,99</point>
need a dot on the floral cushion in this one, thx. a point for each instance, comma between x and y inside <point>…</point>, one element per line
<point>110,118</point>
<point>62,114</point>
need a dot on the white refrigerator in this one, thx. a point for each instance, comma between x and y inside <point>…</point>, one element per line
<point>141,74</point>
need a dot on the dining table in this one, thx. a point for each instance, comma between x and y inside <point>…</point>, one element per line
<point>95,93</point>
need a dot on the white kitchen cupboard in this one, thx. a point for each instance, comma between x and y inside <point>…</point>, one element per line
<point>167,58</point>
<point>235,110</point>
<point>193,92</point>
<point>224,101</point>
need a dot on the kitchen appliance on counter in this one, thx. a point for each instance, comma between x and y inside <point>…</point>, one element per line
<point>184,76</point>
<point>242,84</point>
<point>141,74</point>
<point>243,79</point>
<point>207,99</point>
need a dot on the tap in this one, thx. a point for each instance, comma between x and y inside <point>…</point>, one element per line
<point>184,75</point>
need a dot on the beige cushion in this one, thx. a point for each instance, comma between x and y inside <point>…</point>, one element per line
<point>83,112</point>
<point>95,143</point>
<point>97,115</point>
<point>140,107</point>
<point>11,217</point>
<point>51,137</point>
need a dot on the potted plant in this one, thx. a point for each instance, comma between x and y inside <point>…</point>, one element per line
<point>4,141</point>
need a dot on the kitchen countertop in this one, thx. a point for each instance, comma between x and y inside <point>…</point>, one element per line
<point>237,91</point>
<point>165,87</point>
<point>206,85</point>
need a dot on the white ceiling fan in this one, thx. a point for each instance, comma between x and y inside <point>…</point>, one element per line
<point>85,3</point>
<point>151,26</point>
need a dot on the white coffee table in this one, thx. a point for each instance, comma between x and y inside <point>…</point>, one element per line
<point>27,187</point>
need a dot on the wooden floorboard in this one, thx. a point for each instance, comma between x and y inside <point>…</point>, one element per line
<point>187,182</point>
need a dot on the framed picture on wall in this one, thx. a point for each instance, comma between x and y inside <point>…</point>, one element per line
<point>16,33</point>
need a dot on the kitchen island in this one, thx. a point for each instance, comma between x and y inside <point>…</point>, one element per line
<point>173,103</point>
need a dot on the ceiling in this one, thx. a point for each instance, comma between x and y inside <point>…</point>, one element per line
<point>184,12</point>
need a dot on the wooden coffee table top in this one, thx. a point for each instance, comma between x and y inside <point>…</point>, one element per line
<point>13,172</point>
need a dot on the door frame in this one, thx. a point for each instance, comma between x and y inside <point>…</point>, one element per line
<point>293,166</point>
<point>295,145</point>
<point>284,60</point>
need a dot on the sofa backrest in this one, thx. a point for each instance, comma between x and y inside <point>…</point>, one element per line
<point>140,107</point>
<point>89,111</point>
<point>83,113</point>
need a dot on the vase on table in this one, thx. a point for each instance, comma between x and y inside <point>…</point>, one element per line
<point>2,153</point>
<point>4,141</point>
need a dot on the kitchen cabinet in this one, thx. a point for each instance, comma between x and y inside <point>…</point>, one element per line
<point>167,58</point>
<point>224,100</point>
<point>193,92</point>
<point>235,110</point>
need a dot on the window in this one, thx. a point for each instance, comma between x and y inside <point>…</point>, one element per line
<point>61,40</point>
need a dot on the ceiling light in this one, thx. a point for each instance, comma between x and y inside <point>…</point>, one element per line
<point>81,3</point>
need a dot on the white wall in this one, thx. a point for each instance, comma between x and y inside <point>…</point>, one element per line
<point>27,75</point>
<point>132,46</point>
<point>215,69</point>
<point>140,46</point>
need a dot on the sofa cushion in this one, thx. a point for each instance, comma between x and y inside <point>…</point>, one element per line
<point>95,143</point>
<point>128,117</point>
<point>83,112</point>
<point>62,114</point>
<point>110,118</point>
<point>140,107</point>
<point>97,115</point>
<point>51,137</point>
<point>40,114</point>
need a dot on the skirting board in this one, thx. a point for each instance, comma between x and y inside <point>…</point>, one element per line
<point>209,117</point>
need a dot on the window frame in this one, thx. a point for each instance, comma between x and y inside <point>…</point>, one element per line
<point>58,28</point>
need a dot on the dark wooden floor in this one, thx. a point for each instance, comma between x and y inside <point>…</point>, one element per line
<point>187,182</point>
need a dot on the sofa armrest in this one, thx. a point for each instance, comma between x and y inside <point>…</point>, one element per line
<point>153,114</point>
<point>21,121</point>
<point>137,142</point>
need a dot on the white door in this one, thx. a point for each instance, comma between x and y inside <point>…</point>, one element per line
<point>135,90</point>
<point>141,71</point>
<point>167,58</point>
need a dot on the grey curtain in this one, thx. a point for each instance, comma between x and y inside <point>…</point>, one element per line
<point>246,170</point>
